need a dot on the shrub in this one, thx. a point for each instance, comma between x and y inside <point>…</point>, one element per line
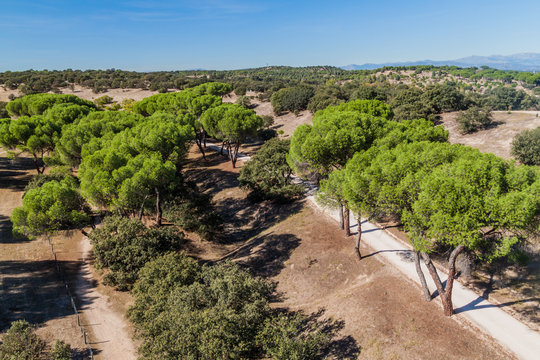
<point>103,100</point>
<point>60,351</point>
<point>268,121</point>
<point>268,175</point>
<point>21,343</point>
<point>526,147</point>
<point>474,119</point>
<point>193,211</point>
<point>123,246</point>
<point>293,99</point>
<point>243,101</point>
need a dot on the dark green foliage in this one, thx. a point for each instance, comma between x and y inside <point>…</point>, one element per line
<point>293,337</point>
<point>21,343</point>
<point>212,315</point>
<point>326,96</point>
<point>367,92</point>
<point>526,147</point>
<point>267,121</point>
<point>54,206</point>
<point>60,351</point>
<point>266,134</point>
<point>474,119</point>
<point>37,104</point>
<point>268,175</point>
<point>292,99</point>
<point>123,246</point>
<point>193,211</point>
<point>3,112</point>
<point>505,98</point>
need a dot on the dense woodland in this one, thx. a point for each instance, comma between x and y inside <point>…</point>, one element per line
<point>374,149</point>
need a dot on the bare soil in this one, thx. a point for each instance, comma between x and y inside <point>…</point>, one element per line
<point>86,93</point>
<point>382,315</point>
<point>30,286</point>
<point>498,138</point>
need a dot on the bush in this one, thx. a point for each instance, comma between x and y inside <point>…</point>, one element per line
<point>60,351</point>
<point>526,147</point>
<point>243,101</point>
<point>193,211</point>
<point>268,175</point>
<point>293,337</point>
<point>474,119</point>
<point>103,100</point>
<point>266,134</point>
<point>293,99</point>
<point>268,121</point>
<point>123,246</point>
<point>21,343</point>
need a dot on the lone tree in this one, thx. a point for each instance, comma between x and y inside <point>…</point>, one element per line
<point>232,123</point>
<point>526,147</point>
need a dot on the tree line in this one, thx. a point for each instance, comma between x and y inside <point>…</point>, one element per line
<point>445,196</point>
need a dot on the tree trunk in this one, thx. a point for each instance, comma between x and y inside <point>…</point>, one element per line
<point>347,221</point>
<point>451,276</point>
<point>199,145</point>
<point>447,306</point>
<point>222,146</point>
<point>158,209</point>
<point>358,238</point>
<point>235,154</point>
<point>341,221</point>
<point>141,211</point>
<point>420,273</point>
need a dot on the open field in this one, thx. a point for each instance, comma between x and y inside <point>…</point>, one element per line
<point>498,138</point>
<point>86,93</point>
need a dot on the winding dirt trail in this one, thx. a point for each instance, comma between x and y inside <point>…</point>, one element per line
<point>108,330</point>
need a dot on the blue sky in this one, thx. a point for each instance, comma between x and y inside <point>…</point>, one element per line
<point>214,34</point>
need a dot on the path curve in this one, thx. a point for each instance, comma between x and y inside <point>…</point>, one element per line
<point>108,329</point>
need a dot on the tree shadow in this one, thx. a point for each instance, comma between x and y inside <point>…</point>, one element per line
<point>338,346</point>
<point>245,219</point>
<point>12,173</point>
<point>6,232</point>
<point>265,255</point>
<point>34,291</point>
<point>474,305</point>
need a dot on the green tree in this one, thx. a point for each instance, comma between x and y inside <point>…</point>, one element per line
<point>21,343</point>
<point>474,119</point>
<point>293,99</point>
<point>53,206</point>
<point>526,147</point>
<point>268,175</point>
<point>60,351</point>
<point>233,124</point>
<point>37,104</point>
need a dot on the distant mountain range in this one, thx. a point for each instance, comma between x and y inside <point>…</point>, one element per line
<point>519,62</point>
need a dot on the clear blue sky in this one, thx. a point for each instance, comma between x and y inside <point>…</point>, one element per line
<point>232,34</point>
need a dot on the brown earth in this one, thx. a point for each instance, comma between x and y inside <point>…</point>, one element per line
<point>86,93</point>
<point>497,139</point>
<point>382,314</point>
<point>31,288</point>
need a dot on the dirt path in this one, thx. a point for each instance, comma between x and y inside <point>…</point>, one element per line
<point>108,329</point>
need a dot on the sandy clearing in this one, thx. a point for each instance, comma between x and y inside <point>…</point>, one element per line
<point>498,139</point>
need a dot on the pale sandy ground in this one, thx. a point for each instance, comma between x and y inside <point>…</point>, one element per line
<point>287,122</point>
<point>498,139</point>
<point>85,93</point>
<point>110,332</point>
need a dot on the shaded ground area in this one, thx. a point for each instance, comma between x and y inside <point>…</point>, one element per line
<point>376,312</point>
<point>30,286</point>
